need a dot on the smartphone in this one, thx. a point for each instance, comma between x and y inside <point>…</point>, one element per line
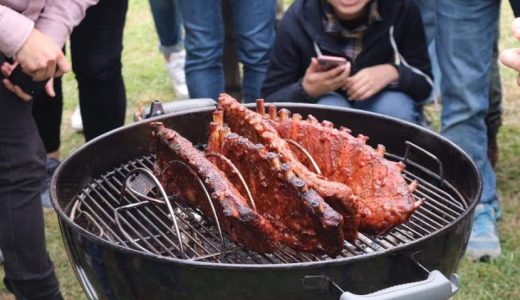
<point>326,62</point>
<point>26,82</point>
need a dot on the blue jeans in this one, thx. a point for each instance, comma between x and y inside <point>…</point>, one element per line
<point>464,37</point>
<point>168,21</point>
<point>254,29</point>
<point>429,16</point>
<point>395,104</point>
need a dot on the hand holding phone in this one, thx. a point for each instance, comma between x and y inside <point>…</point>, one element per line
<point>326,62</point>
<point>316,83</point>
<point>26,82</point>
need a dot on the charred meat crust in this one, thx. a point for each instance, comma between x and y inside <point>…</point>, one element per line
<point>386,200</point>
<point>259,130</point>
<point>306,221</point>
<point>237,219</point>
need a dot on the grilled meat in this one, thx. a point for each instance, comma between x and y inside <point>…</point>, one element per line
<point>305,220</point>
<point>236,217</point>
<point>385,198</point>
<point>259,130</point>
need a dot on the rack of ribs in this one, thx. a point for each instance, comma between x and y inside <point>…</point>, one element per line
<point>306,222</point>
<point>257,129</point>
<point>235,216</point>
<point>386,200</point>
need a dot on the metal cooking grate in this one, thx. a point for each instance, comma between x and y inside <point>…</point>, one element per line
<point>147,226</point>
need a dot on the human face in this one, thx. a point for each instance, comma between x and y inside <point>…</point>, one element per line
<point>348,10</point>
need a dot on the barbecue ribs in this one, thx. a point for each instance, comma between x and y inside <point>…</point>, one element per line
<point>236,217</point>
<point>305,220</point>
<point>259,130</point>
<point>385,198</point>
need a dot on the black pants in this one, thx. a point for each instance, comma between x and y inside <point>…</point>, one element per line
<point>47,113</point>
<point>515,5</point>
<point>96,46</point>
<point>28,268</point>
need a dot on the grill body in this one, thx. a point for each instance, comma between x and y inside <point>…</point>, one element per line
<point>109,271</point>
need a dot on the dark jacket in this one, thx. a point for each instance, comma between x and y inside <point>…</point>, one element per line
<point>302,24</point>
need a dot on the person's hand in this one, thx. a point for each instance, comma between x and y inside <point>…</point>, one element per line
<point>370,81</point>
<point>511,57</point>
<point>41,57</point>
<point>6,70</point>
<point>316,83</point>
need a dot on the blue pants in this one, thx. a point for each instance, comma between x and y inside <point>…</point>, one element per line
<point>168,21</point>
<point>204,41</point>
<point>395,104</point>
<point>464,37</point>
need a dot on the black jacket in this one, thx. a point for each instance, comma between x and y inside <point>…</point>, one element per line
<point>302,24</point>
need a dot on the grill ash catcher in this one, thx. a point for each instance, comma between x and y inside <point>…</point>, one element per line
<point>127,239</point>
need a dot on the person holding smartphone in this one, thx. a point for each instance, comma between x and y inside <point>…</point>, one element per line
<point>363,54</point>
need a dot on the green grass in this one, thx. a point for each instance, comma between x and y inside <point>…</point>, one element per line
<point>146,79</point>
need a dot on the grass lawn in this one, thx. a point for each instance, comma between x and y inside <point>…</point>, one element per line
<point>146,79</point>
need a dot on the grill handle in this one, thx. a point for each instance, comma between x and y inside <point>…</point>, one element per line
<point>435,287</point>
<point>157,108</point>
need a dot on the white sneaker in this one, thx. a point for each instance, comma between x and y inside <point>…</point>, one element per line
<point>75,120</point>
<point>175,69</point>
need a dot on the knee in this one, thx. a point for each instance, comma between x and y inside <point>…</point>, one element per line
<point>204,48</point>
<point>398,105</point>
<point>254,51</point>
<point>97,68</point>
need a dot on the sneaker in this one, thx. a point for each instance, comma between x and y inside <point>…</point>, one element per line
<point>75,120</point>
<point>483,242</point>
<point>52,165</point>
<point>175,67</point>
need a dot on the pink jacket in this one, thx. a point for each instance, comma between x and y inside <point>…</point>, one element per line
<point>56,18</point>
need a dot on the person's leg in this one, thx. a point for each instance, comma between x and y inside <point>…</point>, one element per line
<point>167,19</point>
<point>96,46</point>
<point>465,36</point>
<point>515,5</point>
<point>254,29</point>
<point>429,16</point>
<point>394,104</point>
<point>28,269</point>
<point>47,113</point>
<point>494,115</point>
<point>204,42</point>
<point>334,99</point>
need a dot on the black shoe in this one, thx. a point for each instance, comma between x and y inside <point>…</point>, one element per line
<point>52,165</point>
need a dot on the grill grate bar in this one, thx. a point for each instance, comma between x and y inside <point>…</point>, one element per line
<point>135,230</point>
<point>99,219</point>
<point>152,227</point>
<point>114,197</point>
<point>156,216</point>
<point>178,206</point>
<point>442,198</point>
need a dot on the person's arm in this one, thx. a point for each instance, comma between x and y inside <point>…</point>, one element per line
<point>411,43</point>
<point>16,29</point>
<point>59,18</point>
